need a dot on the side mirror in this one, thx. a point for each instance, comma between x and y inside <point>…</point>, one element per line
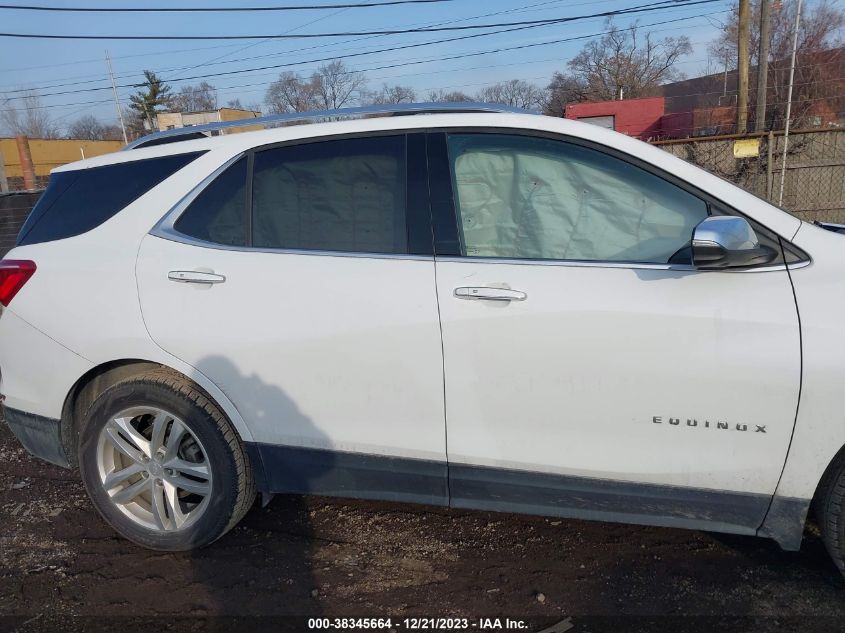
<point>724,241</point>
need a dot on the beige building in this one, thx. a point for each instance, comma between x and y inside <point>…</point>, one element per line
<point>46,154</point>
<point>172,120</point>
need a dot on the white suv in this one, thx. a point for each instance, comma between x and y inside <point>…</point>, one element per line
<point>476,309</point>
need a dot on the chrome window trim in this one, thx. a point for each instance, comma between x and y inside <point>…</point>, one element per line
<point>637,161</point>
<point>574,263</point>
<point>175,236</point>
<point>164,228</point>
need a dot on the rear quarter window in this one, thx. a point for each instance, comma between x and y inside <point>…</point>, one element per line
<point>77,201</point>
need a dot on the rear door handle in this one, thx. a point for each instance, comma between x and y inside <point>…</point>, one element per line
<point>195,277</point>
<point>486,293</point>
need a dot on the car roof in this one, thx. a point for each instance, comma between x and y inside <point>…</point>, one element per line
<point>225,147</point>
<point>242,141</point>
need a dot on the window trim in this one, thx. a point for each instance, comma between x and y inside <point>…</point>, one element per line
<point>416,218</point>
<point>803,258</point>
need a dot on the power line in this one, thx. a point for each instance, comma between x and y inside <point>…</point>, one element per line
<point>665,4</point>
<point>522,9</point>
<point>519,9</point>
<point>447,58</point>
<point>96,78</point>
<point>386,50</point>
<point>298,7</point>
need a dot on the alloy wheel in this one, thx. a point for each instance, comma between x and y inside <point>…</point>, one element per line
<point>154,469</point>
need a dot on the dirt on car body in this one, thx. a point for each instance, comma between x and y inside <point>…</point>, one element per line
<point>61,566</point>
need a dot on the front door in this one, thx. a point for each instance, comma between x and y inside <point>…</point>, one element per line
<point>588,376</point>
<point>298,283</point>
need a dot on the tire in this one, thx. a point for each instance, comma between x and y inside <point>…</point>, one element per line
<point>830,511</point>
<point>189,479</point>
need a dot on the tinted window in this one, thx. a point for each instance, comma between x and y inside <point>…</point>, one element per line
<point>534,198</point>
<point>78,201</point>
<point>344,195</point>
<point>217,214</point>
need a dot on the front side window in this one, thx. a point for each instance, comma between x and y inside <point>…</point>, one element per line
<point>534,198</point>
<point>341,195</point>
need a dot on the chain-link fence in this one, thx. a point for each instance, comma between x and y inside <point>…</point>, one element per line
<point>14,209</point>
<point>814,180</point>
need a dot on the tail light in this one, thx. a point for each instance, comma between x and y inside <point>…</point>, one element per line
<point>14,273</point>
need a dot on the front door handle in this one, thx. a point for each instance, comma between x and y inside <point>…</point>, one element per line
<point>195,277</point>
<point>487,293</point>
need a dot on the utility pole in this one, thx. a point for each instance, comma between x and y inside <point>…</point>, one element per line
<point>789,101</point>
<point>742,67</point>
<point>762,68</point>
<point>116,101</point>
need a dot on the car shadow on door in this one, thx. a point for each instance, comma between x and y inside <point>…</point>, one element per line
<point>272,550</point>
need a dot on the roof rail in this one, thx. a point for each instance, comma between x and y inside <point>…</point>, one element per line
<point>393,109</point>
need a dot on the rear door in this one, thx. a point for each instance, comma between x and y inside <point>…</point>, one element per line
<point>590,369</point>
<point>301,282</point>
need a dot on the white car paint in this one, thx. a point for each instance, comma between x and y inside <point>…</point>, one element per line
<point>319,351</point>
<point>570,379</point>
<point>820,424</point>
<point>704,345</point>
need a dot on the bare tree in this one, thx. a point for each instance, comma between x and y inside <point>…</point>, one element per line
<point>391,94</point>
<point>625,63</point>
<point>199,98</point>
<point>27,115</point>
<point>236,104</point>
<point>335,86</point>
<point>515,93</point>
<point>563,89</point>
<point>441,96</point>
<point>90,128</point>
<point>818,65</point>
<point>330,87</point>
<point>290,93</point>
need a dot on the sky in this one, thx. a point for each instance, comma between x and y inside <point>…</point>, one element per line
<point>41,64</point>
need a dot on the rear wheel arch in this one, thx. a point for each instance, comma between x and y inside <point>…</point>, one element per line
<point>96,380</point>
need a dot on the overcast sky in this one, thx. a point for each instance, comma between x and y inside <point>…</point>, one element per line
<point>40,63</point>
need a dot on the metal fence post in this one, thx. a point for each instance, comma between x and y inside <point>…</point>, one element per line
<point>4,183</point>
<point>770,149</point>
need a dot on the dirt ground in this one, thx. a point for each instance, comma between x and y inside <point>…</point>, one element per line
<point>62,568</point>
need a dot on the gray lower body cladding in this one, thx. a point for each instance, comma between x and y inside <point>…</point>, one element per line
<point>40,435</point>
<point>287,469</point>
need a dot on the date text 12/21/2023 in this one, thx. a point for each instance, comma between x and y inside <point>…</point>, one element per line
<point>417,624</point>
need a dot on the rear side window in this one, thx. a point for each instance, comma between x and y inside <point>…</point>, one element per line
<point>77,201</point>
<point>342,195</point>
<point>217,213</point>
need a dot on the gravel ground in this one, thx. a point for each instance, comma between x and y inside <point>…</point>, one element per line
<point>61,567</point>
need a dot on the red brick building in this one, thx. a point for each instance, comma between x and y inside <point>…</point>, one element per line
<point>643,118</point>
<point>634,117</point>
<point>704,106</point>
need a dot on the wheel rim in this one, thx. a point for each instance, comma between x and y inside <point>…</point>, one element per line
<point>154,469</point>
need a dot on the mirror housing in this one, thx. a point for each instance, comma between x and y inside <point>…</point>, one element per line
<point>726,241</point>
